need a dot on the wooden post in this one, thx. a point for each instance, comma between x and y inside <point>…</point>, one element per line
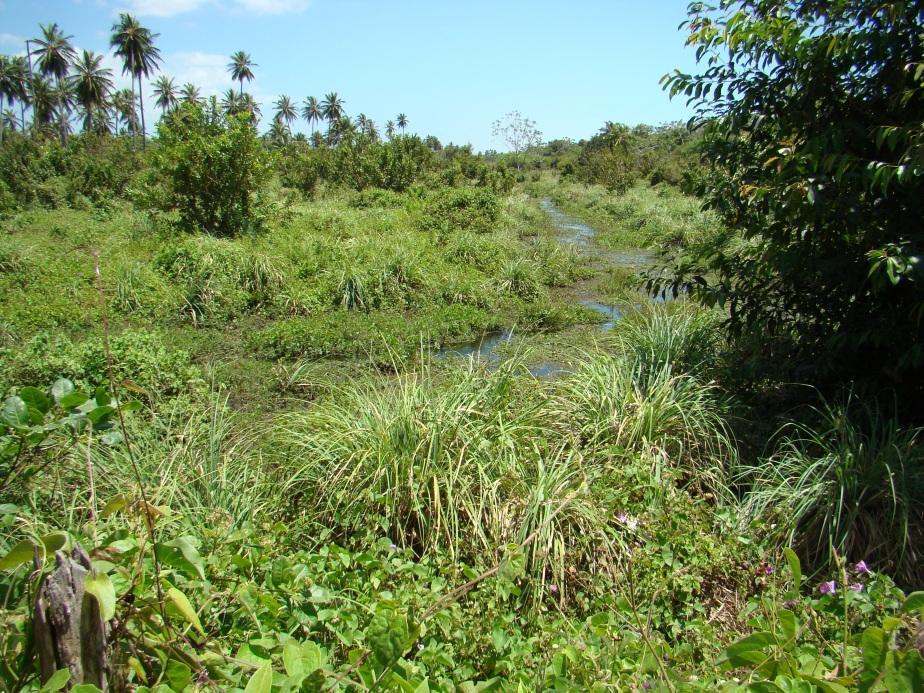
<point>67,624</point>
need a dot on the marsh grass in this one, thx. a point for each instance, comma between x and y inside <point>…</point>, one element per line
<point>852,481</point>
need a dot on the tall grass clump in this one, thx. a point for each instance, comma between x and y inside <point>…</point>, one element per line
<point>626,405</point>
<point>680,336</point>
<point>431,461</point>
<point>852,483</point>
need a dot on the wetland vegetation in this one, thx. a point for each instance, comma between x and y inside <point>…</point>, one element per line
<point>367,411</point>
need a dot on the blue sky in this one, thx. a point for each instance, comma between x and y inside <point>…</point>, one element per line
<point>452,66</point>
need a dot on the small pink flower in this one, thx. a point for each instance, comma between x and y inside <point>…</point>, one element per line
<point>553,589</point>
<point>829,587</point>
<point>862,568</point>
<point>621,516</point>
<point>857,587</point>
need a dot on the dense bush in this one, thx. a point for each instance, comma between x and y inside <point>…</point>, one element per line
<point>814,128</point>
<point>210,168</point>
<point>454,209</point>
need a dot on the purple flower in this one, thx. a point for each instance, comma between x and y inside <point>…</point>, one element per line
<point>621,516</point>
<point>862,568</point>
<point>393,547</point>
<point>647,685</point>
<point>829,587</point>
<point>857,587</point>
<point>767,569</point>
<point>553,589</point>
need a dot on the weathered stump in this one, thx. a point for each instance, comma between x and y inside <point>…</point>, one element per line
<point>67,623</point>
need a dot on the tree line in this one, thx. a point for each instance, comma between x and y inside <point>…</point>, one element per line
<point>60,89</point>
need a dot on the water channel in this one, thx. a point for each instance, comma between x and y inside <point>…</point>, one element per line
<point>579,235</point>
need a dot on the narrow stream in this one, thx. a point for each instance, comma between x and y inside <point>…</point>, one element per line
<point>580,235</point>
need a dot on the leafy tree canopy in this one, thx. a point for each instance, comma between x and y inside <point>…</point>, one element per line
<point>814,120</point>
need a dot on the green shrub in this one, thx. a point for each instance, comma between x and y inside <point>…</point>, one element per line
<point>299,168</point>
<point>211,169</point>
<point>453,209</point>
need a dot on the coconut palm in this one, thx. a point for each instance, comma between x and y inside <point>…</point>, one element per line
<point>13,83</point>
<point>390,129</point>
<point>165,94</point>
<point>231,102</point>
<point>241,68</point>
<point>19,74</point>
<point>312,111</point>
<point>44,108</point>
<point>123,103</point>
<point>247,104</point>
<point>402,122</point>
<point>332,109</point>
<point>140,57</point>
<point>286,112</point>
<point>317,139</point>
<point>372,132</point>
<point>55,55</point>
<point>91,84</point>
<point>190,93</point>
<point>8,121</point>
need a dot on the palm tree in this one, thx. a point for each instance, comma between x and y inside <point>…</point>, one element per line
<point>332,109</point>
<point>317,140</point>
<point>390,129</point>
<point>55,55</point>
<point>372,132</point>
<point>123,103</point>
<point>240,68</point>
<point>92,84</point>
<point>190,93</point>
<point>13,82</point>
<point>140,57</point>
<point>19,74</point>
<point>43,101</point>
<point>165,94</point>
<point>278,135</point>
<point>312,111</point>
<point>8,121</point>
<point>247,104</point>
<point>286,112</point>
<point>402,122</point>
<point>231,102</point>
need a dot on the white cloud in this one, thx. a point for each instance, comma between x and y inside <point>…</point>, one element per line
<point>208,71</point>
<point>169,8</point>
<point>11,39</point>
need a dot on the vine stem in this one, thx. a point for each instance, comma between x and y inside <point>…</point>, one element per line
<point>110,371</point>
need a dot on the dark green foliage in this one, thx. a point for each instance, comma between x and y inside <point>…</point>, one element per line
<point>455,209</point>
<point>299,167</point>
<point>814,127</point>
<point>211,169</point>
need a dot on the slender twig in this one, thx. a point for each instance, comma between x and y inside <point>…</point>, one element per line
<point>128,444</point>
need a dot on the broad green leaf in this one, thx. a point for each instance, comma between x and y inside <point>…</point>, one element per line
<point>15,412</point>
<point>113,506</point>
<point>180,553</point>
<point>795,568</point>
<point>100,586</point>
<point>61,388</point>
<point>19,554</point>
<point>85,688</point>
<point>179,674</point>
<point>749,650</point>
<point>181,602</point>
<point>73,399</point>
<point>292,659</point>
<point>57,681</point>
<point>261,681</point>
<point>36,399</point>
<point>914,603</point>
<point>54,541</point>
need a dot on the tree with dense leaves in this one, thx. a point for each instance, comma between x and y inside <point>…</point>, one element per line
<point>241,68</point>
<point>140,57</point>
<point>814,122</point>
<point>55,55</point>
<point>92,84</point>
<point>165,95</point>
<point>124,104</point>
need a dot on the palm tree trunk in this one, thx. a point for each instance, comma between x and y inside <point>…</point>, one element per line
<point>131,70</point>
<point>61,129</point>
<point>22,114</point>
<point>144,143</point>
